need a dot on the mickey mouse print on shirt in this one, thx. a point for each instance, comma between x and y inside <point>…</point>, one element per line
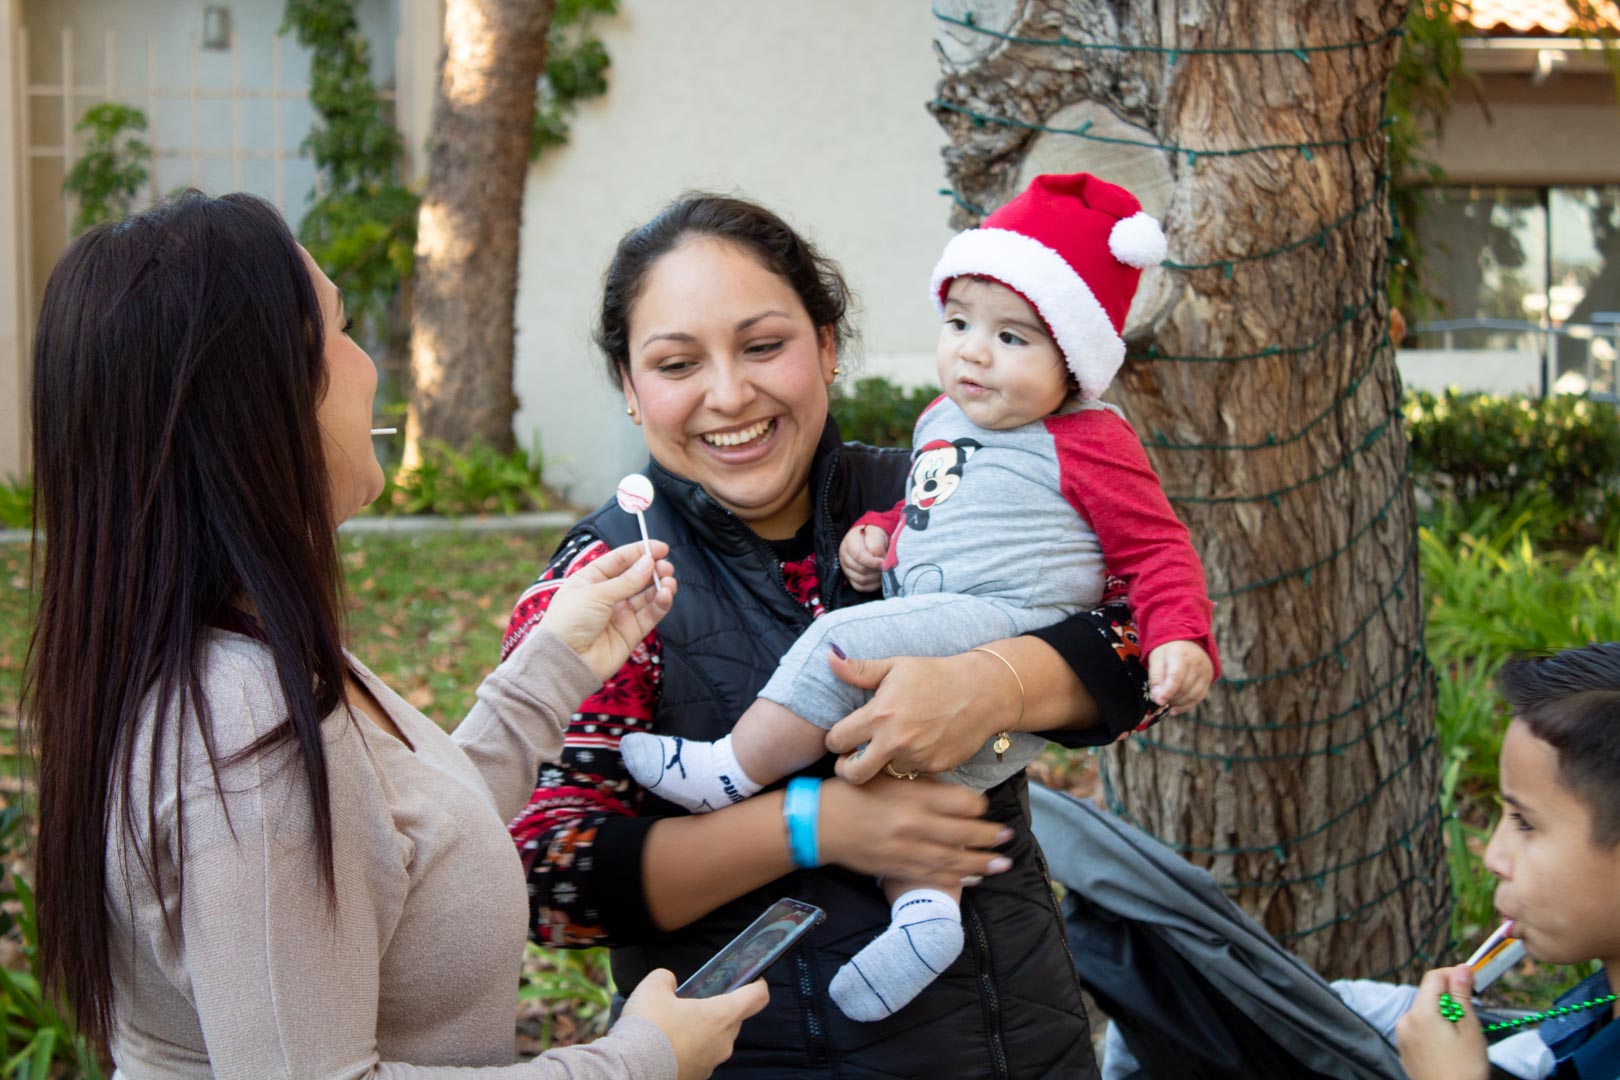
<point>936,472</point>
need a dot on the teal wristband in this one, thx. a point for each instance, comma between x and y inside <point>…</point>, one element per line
<point>801,808</point>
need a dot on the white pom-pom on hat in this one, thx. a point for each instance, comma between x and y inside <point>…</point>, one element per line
<point>1138,241</point>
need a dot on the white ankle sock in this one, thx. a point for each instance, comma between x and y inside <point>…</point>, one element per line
<point>699,776</point>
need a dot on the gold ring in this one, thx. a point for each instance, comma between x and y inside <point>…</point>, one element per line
<point>889,768</point>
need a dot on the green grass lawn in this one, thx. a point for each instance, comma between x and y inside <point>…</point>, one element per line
<point>426,613</point>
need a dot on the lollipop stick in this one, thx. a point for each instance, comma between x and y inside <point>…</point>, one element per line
<point>646,542</point>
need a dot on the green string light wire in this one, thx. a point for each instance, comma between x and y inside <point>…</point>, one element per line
<point>1303,52</point>
<point>1349,315</point>
<point>1161,441</point>
<point>978,211</point>
<point>1193,153</point>
<point>1397,589</point>
<point>1397,714</point>
<point>1319,877</point>
<point>1357,911</point>
<point>1276,847</point>
<point>1274,496</point>
<point>1305,572</point>
<point>1418,657</point>
<point>1229,265</point>
<point>1422,955</point>
<point>1318,239</point>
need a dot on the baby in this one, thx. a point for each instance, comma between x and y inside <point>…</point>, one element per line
<point>1026,494</point>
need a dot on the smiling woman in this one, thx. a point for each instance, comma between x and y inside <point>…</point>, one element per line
<point>723,327</point>
<point>728,378</point>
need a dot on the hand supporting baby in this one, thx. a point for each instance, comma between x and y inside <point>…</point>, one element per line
<point>1179,672</point>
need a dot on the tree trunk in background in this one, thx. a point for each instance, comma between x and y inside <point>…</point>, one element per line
<point>1268,396</point>
<point>467,233</point>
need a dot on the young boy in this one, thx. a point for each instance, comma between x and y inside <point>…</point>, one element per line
<point>1026,492</point>
<point>1556,852</point>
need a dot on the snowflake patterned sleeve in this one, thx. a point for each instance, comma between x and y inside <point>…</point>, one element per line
<point>580,838</point>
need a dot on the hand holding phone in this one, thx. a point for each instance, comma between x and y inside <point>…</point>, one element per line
<point>702,1033</point>
<point>746,956</point>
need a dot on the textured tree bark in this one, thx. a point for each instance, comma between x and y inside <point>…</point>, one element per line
<point>1308,781</point>
<point>467,233</point>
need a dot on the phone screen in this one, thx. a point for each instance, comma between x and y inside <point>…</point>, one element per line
<point>747,955</point>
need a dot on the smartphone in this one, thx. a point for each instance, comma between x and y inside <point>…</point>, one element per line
<point>747,955</point>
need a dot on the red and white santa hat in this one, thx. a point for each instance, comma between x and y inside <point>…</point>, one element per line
<point>1074,247</point>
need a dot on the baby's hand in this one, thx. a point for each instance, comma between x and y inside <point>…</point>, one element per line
<point>861,555</point>
<point>1179,674</point>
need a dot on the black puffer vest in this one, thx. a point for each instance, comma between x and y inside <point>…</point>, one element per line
<point>1010,1005</point>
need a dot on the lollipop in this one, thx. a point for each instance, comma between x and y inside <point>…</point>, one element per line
<point>635,494</point>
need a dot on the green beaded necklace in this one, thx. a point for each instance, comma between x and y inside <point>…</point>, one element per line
<point>1562,1010</point>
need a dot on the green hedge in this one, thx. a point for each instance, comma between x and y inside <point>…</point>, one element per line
<point>879,413</point>
<point>1558,457</point>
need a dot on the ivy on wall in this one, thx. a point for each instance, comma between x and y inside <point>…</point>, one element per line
<point>114,166</point>
<point>576,70</point>
<point>361,224</point>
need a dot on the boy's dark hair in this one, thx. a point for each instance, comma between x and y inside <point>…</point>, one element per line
<point>1571,700</point>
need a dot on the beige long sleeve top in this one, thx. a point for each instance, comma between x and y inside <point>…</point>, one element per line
<point>415,972</point>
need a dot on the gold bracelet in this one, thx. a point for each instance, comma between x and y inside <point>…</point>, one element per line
<point>1002,742</point>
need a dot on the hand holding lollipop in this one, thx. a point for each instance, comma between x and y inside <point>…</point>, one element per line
<point>635,494</point>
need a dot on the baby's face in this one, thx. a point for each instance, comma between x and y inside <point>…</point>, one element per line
<point>995,359</point>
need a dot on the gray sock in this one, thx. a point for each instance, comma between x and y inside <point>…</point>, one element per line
<point>924,936</point>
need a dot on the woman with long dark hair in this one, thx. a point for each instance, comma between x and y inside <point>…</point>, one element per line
<point>253,858</point>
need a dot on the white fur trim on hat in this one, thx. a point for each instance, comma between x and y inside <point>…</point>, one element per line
<point>1138,241</point>
<point>1084,333</point>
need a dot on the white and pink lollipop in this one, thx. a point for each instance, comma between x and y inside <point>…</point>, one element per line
<point>635,494</point>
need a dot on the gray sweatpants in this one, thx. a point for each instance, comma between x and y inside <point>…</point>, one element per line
<point>930,624</point>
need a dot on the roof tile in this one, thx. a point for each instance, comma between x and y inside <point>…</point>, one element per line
<point>1531,18</point>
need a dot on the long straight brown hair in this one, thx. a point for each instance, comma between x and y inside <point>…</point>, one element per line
<point>178,473</point>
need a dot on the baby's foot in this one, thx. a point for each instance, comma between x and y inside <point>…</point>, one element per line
<point>924,936</point>
<point>699,776</point>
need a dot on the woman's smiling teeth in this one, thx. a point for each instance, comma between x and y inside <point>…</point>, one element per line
<point>739,438</point>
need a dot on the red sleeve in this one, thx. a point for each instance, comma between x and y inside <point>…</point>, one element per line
<point>887,520</point>
<point>890,520</point>
<point>580,837</point>
<point>1106,477</point>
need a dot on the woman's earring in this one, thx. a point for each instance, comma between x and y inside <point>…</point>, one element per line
<point>836,370</point>
<point>630,412</point>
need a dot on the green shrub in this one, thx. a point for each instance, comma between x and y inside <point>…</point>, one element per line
<point>1491,594</point>
<point>37,1039</point>
<point>575,985</point>
<point>1558,456</point>
<point>452,484</point>
<point>16,503</point>
<point>878,412</point>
